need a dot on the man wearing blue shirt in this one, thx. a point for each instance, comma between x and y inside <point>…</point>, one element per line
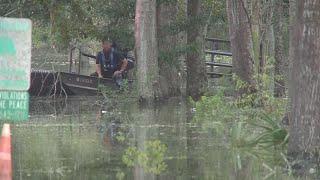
<point>110,62</point>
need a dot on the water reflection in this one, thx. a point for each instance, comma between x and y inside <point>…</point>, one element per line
<point>86,138</point>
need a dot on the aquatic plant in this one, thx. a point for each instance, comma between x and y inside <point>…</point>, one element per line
<point>249,125</point>
<point>272,135</point>
<point>151,158</point>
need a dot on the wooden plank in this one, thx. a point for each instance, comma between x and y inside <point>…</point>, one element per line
<point>218,53</point>
<point>217,40</point>
<point>80,59</point>
<point>219,64</point>
<point>217,75</point>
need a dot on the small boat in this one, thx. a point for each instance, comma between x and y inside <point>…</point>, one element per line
<point>50,83</point>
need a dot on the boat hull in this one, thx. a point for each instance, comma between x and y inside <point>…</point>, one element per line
<point>49,83</point>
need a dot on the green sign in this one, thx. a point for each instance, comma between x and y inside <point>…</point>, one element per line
<point>15,67</point>
<point>14,105</point>
<point>15,54</point>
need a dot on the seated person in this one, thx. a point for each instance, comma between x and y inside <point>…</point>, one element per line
<point>110,63</point>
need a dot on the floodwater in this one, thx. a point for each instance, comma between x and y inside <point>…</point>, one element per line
<point>86,138</point>
<point>92,138</point>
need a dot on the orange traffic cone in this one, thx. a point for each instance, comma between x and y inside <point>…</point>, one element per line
<point>5,154</point>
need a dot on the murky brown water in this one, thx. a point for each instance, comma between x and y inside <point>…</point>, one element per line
<point>81,138</point>
<point>91,138</point>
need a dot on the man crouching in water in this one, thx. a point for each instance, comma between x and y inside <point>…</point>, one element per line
<point>110,63</point>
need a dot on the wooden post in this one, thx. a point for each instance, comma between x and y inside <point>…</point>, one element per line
<point>79,61</point>
<point>70,59</point>
<point>214,47</point>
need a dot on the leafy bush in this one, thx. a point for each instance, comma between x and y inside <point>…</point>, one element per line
<point>249,130</point>
<point>151,158</point>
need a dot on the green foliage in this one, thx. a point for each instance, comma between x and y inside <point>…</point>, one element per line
<point>120,175</point>
<point>273,134</point>
<point>106,91</point>
<point>262,97</point>
<point>151,159</point>
<point>58,23</point>
<point>160,2</point>
<point>120,137</point>
<point>214,112</point>
<point>40,35</point>
<point>155,151</point>
<point>125,88</point>
<point>125,92</point>
<point>130,156</point>
<point>210,15</point>
<point>77,19</point>
<point>217,18</point>
<point>171,56</point>
<point>250,131</point>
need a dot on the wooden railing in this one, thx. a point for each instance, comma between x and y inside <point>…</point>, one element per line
<point>214,51</point>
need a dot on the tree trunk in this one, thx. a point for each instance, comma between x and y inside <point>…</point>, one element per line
<point>169,65</point>
<point>146,50</point>
<point>279,49</point>
<point>196,71</point>
<point>292,17</point>
<point>241,44</point>
<point>265,13</point>
<point>256,24</point>
<point>305,87</point>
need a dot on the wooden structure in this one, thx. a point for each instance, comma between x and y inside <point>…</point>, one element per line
<point>214,51</point>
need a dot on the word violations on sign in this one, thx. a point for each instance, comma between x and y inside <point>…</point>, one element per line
<point>14,105</point>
